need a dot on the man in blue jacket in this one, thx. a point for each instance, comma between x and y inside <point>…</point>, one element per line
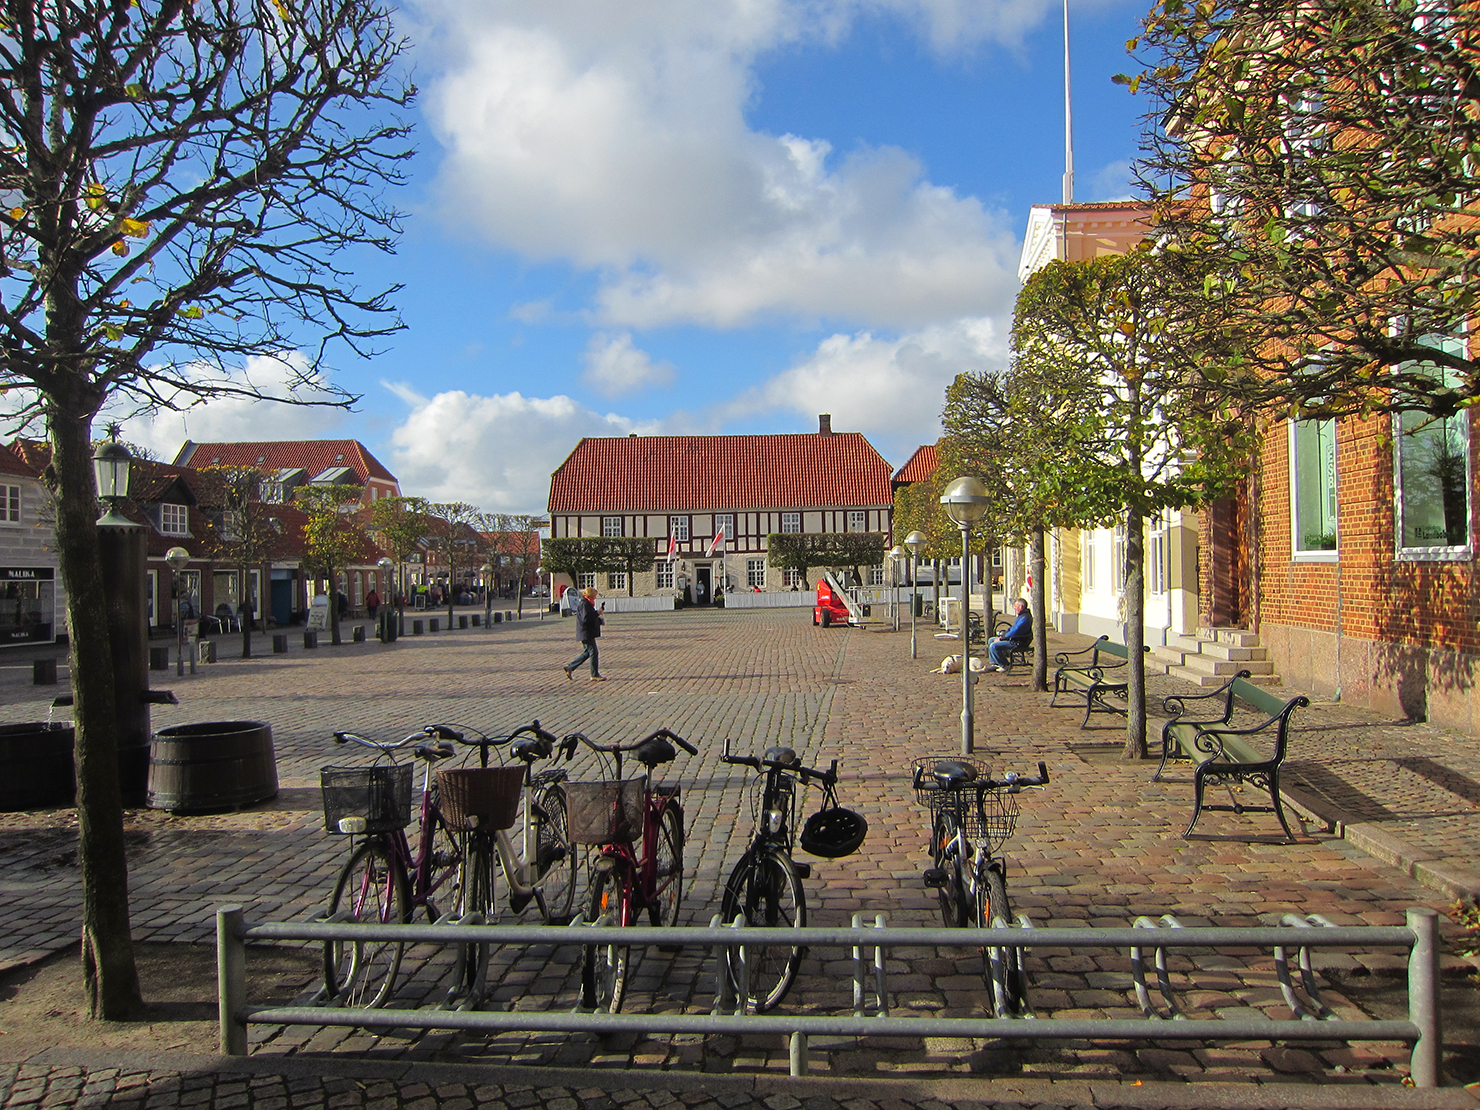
<point>1020,635</point>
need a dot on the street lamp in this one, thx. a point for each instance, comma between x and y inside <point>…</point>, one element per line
<point>178,559</point>
<point>487,597</point>
<point>110,467</point>
<point>387,597</point>
<point>966,503</point>
<point>539,577</point>
<point>896,556</point>
<point>916,542</point>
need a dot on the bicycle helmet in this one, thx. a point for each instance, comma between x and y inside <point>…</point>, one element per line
<point>833,832</point>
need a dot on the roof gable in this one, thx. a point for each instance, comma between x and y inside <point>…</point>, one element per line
<point>312,455</point>
<point>921,466</point>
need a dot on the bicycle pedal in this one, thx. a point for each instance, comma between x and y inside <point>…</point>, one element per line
<point>552,854</point>
<point>803,870</point>
<point>518,901</point>
<point>935,878</point>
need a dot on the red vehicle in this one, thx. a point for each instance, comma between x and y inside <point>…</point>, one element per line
<point>830,608</point>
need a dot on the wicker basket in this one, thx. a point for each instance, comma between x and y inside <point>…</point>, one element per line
<point>604,812</point>
<point>490,794</point>
<point>986,813</point>
<point>381,794</point>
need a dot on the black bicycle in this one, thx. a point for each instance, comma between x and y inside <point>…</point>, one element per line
<point>765,888</point>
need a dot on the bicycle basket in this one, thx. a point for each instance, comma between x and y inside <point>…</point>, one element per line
<point>604,812</point>
<point>490,794</point>
<point>381,794</point>
<point>929,790</point>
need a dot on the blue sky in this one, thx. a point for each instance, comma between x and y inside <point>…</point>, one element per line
<point>706,216</point>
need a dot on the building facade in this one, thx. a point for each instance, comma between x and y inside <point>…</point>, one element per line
<point>714,500</point>
<point>33,603</point>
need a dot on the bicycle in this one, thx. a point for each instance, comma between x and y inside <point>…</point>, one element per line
<point>610,816</point>
<point>766,885</point>
<point>972,816</point>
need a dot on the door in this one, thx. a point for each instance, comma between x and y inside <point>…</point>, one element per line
<point>282,599</point>
<point>704,594</point>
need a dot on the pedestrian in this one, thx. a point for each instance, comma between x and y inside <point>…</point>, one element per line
<point>372,603</point>
<point>588,629</point>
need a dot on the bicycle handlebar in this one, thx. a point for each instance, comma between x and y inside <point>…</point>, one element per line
<point>568,745</point>
<point>1012,782</point>
<point>438,749</point>
<point>827,778</point>
<point>483,740</point>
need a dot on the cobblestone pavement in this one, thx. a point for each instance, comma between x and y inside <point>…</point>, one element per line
<point>1100,846</point>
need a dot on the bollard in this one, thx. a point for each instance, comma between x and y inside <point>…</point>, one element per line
<point>358,636</point>
<point>462,620</point>
<point>311,639</point>
<point>231,980</point>
<point>205,651</point>
<point>43,672</point>
<point>159,659</point>
<point>498,618</point>
<point>508,615</point>
<point>1427,1068</point>
<point>280,643</point>
<point>417,628</point>
<point>477,620</point>
<point>434,625</point>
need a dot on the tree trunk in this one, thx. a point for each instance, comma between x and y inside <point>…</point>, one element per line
<point>333,607</point>
<point>110,979</point>
<point>246,609</point>
<point>1038,606</point>
<point>1135,635</point>
<point>451,589</point>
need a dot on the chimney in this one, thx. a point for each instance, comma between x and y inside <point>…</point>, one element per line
<point>824,424</point>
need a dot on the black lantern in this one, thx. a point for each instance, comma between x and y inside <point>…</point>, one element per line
<point>110,467</point>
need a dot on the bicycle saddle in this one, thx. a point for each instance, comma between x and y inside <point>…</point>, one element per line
<point>433,752</point>
<point>653,751</point>
<point>951,772</point>
<point>531,748</point>
<point>779,754</point>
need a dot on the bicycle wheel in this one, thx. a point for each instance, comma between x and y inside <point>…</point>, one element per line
<point>371,888</point>
<point>993,906</point>
<point>667,869</point>
<point>555,857</point>
<point>952,892</point>
<point>476,895</point>
<point>765,891</point>
<point>604,975</point>
<point>444,869</point>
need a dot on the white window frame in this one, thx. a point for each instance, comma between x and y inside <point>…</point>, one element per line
<point>586,581</point>
<point>174,520</point>
<point>1088,553</point>
<point>663,579</point>
<point>1298,552</point>
<point>10,504</point>
<point>616,580</point>
<point>1117,557</point>
<point>1156,554</point>
<point>876,575</point>
<point>755,574</point>
<point>791,577</point>
<point>1464,552</point>
<point>791,524</point>
<point>725,522</point>
<point>857,520</point>
<point>678,528</point>
<point>611,527</point>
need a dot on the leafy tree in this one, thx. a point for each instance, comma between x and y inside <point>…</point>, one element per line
<point>1316,158</point>
<point>238,529</point>
<point>400,525</point>
<point>455,528</point>
<point>517,539</point>
<point>179,182</point>
<point>801,551</point>
<point>1102,371</point>
<point>917,507</point>
<point>333,539</point>
<point>573,556</point>
<point>629,555</point>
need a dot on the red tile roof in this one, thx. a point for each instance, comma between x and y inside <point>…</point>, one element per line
<point>922,465</point>
<point>692,473</point>
<point>12,462</point>
<point>313,455</point>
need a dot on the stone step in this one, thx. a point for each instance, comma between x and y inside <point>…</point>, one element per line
<point>1238,637</point>
<point>1217,649</point>
<point>1225,668</point>
<point>1169,656</point>
<point>1200,678</point>
<point>1184,643</point>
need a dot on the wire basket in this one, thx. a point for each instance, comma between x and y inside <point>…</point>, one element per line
<point>986,813</point>
<point>604,812</point>
<point>491,794</point>
<point>381,794</point>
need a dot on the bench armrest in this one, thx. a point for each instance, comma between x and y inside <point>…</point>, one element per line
<point>1064,658</point>
<point>1175,705</point>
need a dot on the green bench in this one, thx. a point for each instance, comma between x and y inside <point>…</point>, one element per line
<point>1225,755</point>
<point>1084,672</point>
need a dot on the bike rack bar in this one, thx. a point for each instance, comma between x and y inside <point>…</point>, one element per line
<point>860,977</point>
<point>1163,975</point>
<point>1317,1010</point>
<point>1427,1068</point>
<point>231,979</point>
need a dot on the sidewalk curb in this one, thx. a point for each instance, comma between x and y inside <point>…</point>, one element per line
<point>1102,1093</point>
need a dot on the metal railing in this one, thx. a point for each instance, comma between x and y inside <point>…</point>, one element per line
<point>1312,1020</point>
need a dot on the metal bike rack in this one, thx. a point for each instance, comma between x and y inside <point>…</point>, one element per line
<point>1419,937</point>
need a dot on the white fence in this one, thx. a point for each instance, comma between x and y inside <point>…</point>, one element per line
<point>781,599</point>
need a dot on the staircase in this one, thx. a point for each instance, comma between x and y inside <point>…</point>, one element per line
<point>1214,656</point>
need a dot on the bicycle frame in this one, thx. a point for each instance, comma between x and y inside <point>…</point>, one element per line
<point>657,800</point>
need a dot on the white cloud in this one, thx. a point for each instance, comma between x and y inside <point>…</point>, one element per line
<point>613,136</point>
<point>496,452</point>
<point>1112,182</point>
<point>892,390</point>
<point>614,365</point>
<point>226,419</point>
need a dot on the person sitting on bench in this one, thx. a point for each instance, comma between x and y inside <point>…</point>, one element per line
<point>1019,636</point>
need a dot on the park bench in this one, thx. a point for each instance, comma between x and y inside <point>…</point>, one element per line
<point>1084,671</point>
<point>1224,755</point>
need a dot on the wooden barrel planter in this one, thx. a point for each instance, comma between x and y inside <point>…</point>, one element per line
<point>36,766</point>
<point>212,766</point>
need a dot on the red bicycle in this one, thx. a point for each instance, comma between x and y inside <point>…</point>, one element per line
<point>611,816</point>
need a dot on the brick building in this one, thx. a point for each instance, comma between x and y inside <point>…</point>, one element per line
<point>33,604</point>
<point>689,489</point>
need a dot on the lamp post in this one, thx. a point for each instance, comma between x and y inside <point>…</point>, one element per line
<point>178,559</point>
<point>896,556</point>
<point>387,598</point>
<point>487,596</point>
<point>916,542</point>
<point>539,578</point>
<point>965,501</point>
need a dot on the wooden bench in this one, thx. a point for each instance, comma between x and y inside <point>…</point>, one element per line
<point>1020,652</point>
<point>1083,671</point>
<point>1225,755</point>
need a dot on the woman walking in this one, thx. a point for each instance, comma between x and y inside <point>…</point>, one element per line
<point>588,629</point>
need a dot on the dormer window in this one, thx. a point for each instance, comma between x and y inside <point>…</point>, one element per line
<point>174,520</point>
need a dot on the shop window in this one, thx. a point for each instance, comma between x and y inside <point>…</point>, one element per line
<point>1313,484</point>
<point>1432,480</point>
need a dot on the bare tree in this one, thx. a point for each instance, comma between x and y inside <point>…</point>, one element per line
<point>177,180</point>
<point>333,538</point>
<point>238,530</point>
<point>457,535</point>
